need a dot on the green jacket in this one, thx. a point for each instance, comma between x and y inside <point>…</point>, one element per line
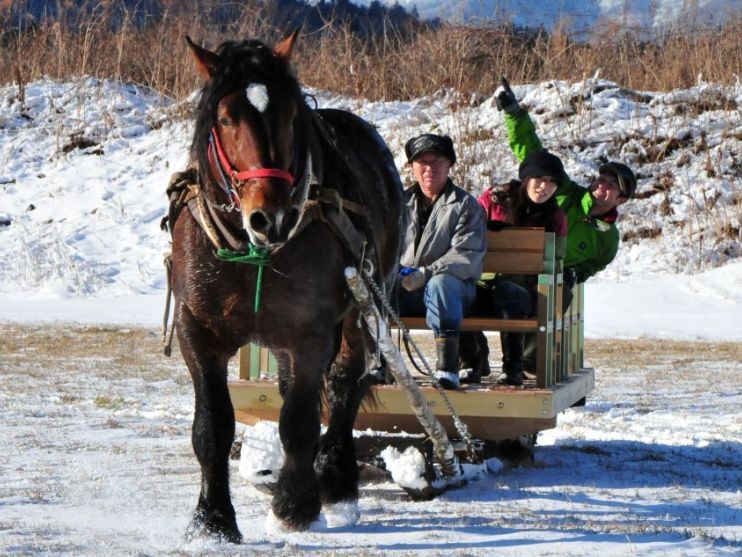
<point>592,243</point>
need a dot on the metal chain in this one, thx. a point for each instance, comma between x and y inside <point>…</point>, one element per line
<point>461,427</point>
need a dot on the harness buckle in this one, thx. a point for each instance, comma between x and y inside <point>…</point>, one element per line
<point>330,196</point>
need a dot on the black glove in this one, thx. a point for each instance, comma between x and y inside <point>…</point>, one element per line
<point>505,99</point>
<point>570,277</point>
<point>573,276</point>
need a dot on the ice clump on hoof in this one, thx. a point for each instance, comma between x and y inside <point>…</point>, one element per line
<point>261,457</point>
<point>407,468</point>
<point>274,526</point>
<point>341,515</point>
<point>494,465</point>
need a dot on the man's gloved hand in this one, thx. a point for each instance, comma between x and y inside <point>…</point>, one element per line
<point>505,99</point>
<point>411,278</point>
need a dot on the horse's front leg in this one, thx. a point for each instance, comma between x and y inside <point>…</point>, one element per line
<point>296,501</point>
<point>213,428</point>
<point>336,464</point>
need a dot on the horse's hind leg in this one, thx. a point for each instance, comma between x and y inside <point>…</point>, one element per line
<point>335,463</point>
<point>296,499</point>
<point>213,429</point>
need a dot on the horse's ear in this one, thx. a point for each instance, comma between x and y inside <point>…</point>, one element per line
<point>284,49</point>
<point>206,61</point>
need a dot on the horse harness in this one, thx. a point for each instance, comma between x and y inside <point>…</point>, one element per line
<point>322,203</point>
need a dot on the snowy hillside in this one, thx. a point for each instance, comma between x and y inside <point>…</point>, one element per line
<point>83,167</point>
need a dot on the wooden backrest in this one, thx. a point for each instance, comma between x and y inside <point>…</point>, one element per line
<point>521,251</point>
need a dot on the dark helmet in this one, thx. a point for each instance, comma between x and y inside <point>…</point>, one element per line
<point>624,175</point>
<point>430,142</point>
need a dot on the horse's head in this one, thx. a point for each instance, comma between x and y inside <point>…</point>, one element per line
<point>248,134</point>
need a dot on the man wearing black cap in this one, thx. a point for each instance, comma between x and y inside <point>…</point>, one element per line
<point>592,239</point>
<point>443,250</point>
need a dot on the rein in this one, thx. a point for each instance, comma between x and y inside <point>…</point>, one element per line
<point>230,178</point>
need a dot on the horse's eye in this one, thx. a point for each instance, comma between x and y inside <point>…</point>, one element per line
<point>224,121</point>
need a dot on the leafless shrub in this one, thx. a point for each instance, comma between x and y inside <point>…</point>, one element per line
<point>94,40</point>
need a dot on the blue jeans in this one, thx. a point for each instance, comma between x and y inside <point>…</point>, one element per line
<point>443,301</point>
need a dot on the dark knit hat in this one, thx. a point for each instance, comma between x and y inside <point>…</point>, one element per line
<point>430,142</point>
<point>541,163</point>
<point>624,175</point>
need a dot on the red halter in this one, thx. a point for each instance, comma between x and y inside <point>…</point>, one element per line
<point>244,175</point>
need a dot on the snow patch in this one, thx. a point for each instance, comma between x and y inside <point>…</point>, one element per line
<point>407,468</point>
<point>261,457</point>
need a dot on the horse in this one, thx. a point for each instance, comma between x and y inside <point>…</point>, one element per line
<point>307,192</point>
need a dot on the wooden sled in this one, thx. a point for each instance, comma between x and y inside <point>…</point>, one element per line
<point>492,412</point>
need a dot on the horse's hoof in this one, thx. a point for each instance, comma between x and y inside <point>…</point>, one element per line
<point>213,526</point>
<point>274,526</point>
<point>295,516</point>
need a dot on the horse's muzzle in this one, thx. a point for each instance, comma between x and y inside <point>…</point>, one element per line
<point>268,228</point>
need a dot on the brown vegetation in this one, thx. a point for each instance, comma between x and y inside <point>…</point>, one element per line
<point>393,66</point>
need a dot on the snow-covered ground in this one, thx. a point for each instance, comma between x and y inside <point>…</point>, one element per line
<point>95,459</point>
<point>651,466</point>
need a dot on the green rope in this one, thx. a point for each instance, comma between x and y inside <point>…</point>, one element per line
<point>253,256</point>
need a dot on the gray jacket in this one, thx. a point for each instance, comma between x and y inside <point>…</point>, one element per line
<point>454,239</point>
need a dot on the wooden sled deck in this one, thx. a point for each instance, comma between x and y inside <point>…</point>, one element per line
<point>491,411</point>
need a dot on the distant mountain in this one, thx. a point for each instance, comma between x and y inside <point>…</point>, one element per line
<point>364,18</point>
<point>577,14</point>
<point>373,16</point>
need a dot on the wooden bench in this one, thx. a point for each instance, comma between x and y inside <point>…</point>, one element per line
<point>529,251</point>
<point>491,411</point>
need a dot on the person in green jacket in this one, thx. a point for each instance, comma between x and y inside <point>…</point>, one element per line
<point>592,211</point>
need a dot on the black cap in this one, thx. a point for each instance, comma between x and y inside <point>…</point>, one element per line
<point>430,142</point>
<point>624,175</point>
<point>541,163</point>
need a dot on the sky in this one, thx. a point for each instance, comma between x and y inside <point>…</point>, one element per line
<point>96,458</point>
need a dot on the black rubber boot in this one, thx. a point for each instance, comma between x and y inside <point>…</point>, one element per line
<point>512,358</point>
<point>473,357</point>
<point>529,353</point>
<point>447,366</point>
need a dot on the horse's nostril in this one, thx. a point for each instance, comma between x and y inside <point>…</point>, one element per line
<point>259,221</point>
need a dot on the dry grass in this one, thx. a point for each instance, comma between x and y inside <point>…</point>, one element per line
<point>395,66</point>
<point>75,350</point>
<point>111,351</point>
<point>646,352</point>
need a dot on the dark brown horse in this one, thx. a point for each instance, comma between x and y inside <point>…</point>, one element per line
<point>273,174</point>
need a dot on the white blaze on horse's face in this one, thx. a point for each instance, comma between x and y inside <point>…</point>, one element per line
<point>257,95</point>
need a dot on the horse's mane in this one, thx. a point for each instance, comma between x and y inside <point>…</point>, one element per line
<point>240,62</point>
